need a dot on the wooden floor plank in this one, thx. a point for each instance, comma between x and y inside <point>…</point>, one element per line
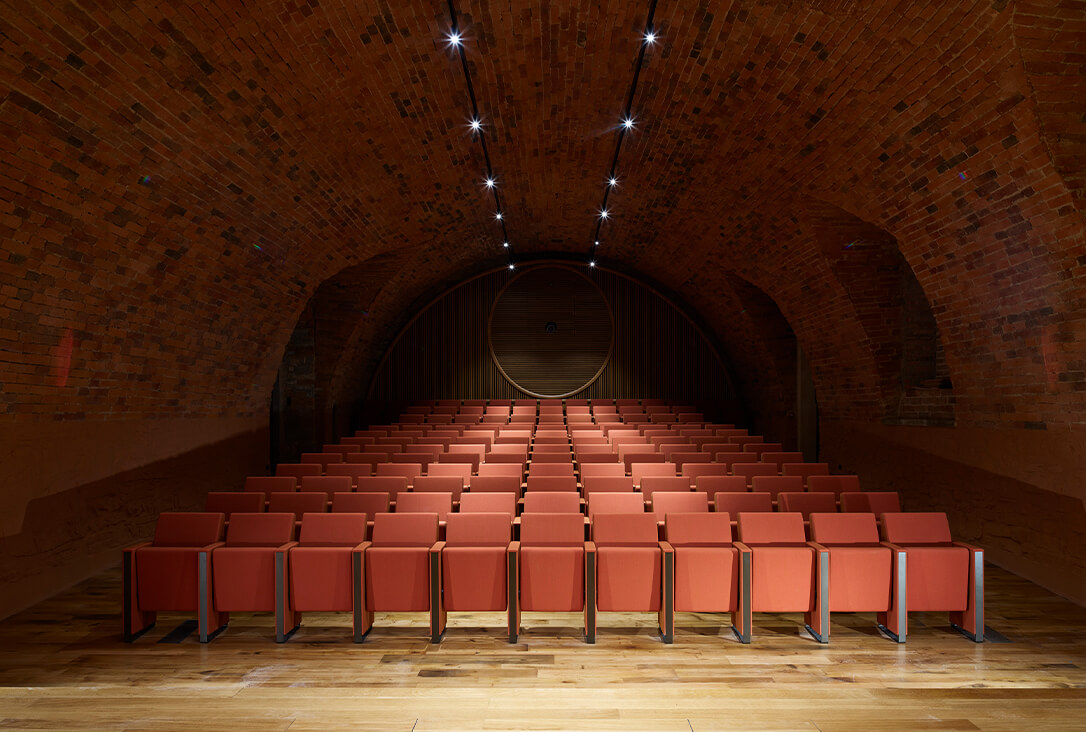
<point>63,666</point>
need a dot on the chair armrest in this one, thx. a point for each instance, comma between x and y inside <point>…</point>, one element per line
<point>362,547</point>
<point>212,546</point>
<point>134,547</point>
<point>818,547</point>
<point>514,547</point>
<point>973,549</point>
<point>286,547</point>
<point>666,548</point>
<point>590,546</point>
<point>891,545</point>
<point>743,548</point>
<point>437,547</point>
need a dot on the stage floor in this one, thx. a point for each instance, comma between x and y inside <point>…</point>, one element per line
<point>63,666</point>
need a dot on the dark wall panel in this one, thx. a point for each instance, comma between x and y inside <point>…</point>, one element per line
<point>658,351</point>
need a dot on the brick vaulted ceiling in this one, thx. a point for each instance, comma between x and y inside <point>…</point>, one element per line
<point>178,179</point>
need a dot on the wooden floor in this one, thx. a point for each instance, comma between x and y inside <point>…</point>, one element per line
<point>63,666</point>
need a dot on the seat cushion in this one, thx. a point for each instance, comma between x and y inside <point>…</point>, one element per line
<point>860,578</point>
<point>552,578</point>
<point>628,578</point>
<point>938,577</point>
<point>321,579</point>
<point>706,578</point>
<point>474,577</point>
<point>398,578</point>
<point>782,579</point>
<point>244,579</point>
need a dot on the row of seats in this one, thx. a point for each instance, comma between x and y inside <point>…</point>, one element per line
<point>697,567</point>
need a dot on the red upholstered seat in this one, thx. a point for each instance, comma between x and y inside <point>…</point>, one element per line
<point>552,502</point>
<point>834,484</point>
<point>786,573</point>
<point>173,573</point>
<point>549,470</point>
<point>250,571</point>
<point>607,469</point>
<point>551,483</point>
<point>496,484</point>
<point>706,571</point>
<point>489,503</point>
<point>615,503</point>
<point>326,567</point>
<point>509,470</point>
<point>861,569</point>
<point>475,564</point>
<point>942,574</point>
<point>626,566</point>
<point>393,485</point>
<point>550,560</point>
<point>403,566</point>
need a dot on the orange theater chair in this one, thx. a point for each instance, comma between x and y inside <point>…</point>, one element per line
<point>250,570</point>
<point>706,572</point>
<point>615,503</point>
<point>943,575</point>
<point>550,483</point>
<point>403,567</point>
<point>863,572</point>
<point>780,572</point>
<point>173,573</point>
<point>547,567</point>
<point>552,502</point>
<point>490,503</point>
<point>625,569</point>
<point>326,568</point>
<point>475,564</point>
<point>495,484</point>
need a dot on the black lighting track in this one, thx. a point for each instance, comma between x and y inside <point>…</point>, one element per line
<point>477,129</point>
<point>646,41</point>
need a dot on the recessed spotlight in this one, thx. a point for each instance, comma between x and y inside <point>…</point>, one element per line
<point>597,243</point>
<point>604,214</point>
<point>512,266</point>
<point>650,38</point>
<point>592,263</point>
<point>498,216</point>
<point>489,182</point>
<point>454,38</point>
<point>476,125</point>
<point>505,244</point>
<point>612,182</point>
<point>628,123</point>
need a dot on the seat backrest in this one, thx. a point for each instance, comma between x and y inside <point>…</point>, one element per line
<point>698,529</point>
<point>876,502</point>
<point>774,485</point>
<point>552,529</point>
<point>682,458</point>
<point>327,484</point>
<point>551,483</point>
<point>591,470</point>
<point>454,470</point>
<point>271,484</point>
<point>834,483</point>
<point>333,529</point>
<point>495,484</point>
<point>323,458</point>
<point>297,503</point>
<point>393,485</point>
<point>515,470</point>
<point>751,470</point>
<point>771,528</point>
<point>367,503</point>
<point>489,503</point>
<point>713,484</point>
<point>232,502</point>
<point>638,471</point>
<point>805,469</point>
<point>665,503</point>
<point>546,470</point>
<point>354,471</point>
<point>260,529</point>
<point>807,503</point>
<point>916,528</point>
<point>439,484</point>
<point>615,503</point>
<point>734,503</point>
<point>188,528</point>
<point>696,470</point>
<point>439,503</point>
<point>552,502</point>
<point>652,483</point>
<point>624,529</point>
<point>405,529</point>
<point>405,470</point>
<point>478,529</point>
<point>297,470</point>
<point>779,458</point>
<point>844,528</point>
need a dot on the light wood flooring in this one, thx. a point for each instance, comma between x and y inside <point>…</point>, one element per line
<point>64,667</point>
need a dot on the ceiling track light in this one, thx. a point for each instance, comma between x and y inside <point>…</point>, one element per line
<point>628,122</point>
